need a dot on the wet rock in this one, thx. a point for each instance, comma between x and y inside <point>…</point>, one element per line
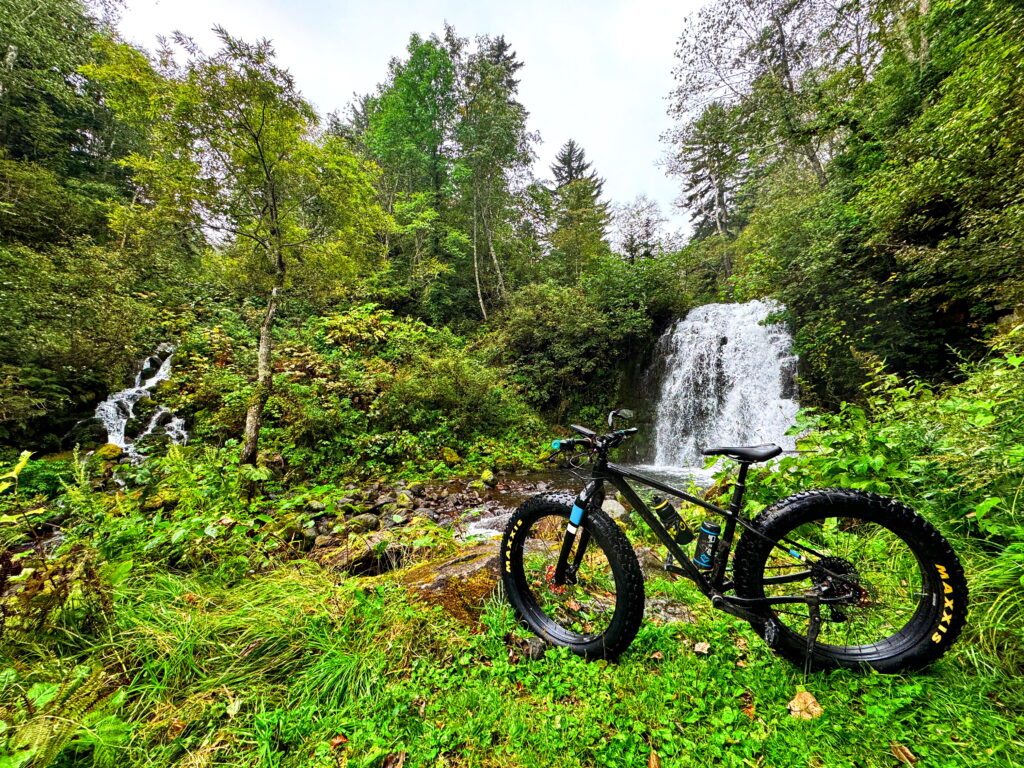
<point>487,478</point>
<point>536,648</point>
<point>366,555</point>
<point>315,506</point>
<point>616,511</point>
<point>651,563</point>
<point>164,498</point>
<point>404,500</point>
<point>393,521</point>
<point>363,523</point>
<point>416,489</point>
<point>426,512</point>
<point>382,501</point>
<point>108,452</point>
<point>86,434</point>
<point>664,610</point>
<point>459,584</point>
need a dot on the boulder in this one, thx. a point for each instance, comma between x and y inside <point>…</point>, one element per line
<point>651,563</point>
<point>363,523</point>
<point>86,434</point>
<point>366,555</point>
<point>460,584</point>
<point>616,511</point>
<point>108,452</point>
<point>487,478</point>
<point>164,498</point>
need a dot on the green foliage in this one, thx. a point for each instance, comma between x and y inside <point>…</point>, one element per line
<point>955,456</point>
<point>856,162</point>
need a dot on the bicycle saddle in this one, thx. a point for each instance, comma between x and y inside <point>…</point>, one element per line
<point>746,453</point>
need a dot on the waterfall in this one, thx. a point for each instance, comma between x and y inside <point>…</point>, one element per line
<point>723,378</point>
<point>118,410</point>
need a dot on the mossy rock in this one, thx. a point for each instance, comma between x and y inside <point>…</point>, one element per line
<point>460,585</point>
<point>164,498</point>
<point>488,478</point>
<point>108,452</point>
<point>450,457</point>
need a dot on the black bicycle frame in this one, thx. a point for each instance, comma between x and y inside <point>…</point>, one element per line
<point>713,585</point>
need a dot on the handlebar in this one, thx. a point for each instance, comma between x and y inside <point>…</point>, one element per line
<point>594,441</point>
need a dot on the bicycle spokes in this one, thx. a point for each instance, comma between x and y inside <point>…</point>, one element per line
<point>584,602</point>
<point>867,582</point>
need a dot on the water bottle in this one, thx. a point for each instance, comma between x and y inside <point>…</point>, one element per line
<point>671,520</point>
<point>704,557</point>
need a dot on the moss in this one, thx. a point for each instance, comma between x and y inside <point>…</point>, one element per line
<point>109,452</point>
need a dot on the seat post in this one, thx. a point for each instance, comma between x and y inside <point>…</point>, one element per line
<point>722,556</point>
<point>739,488</point>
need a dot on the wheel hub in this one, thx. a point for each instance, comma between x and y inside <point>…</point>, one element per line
<point>836,577</point>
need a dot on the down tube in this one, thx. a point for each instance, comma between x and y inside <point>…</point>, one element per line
<point>641,509</point>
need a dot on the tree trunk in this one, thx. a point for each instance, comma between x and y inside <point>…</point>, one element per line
<point>494,260</point>
<point>796,132</point>
<point>476,269</point>
<point>264,382</point>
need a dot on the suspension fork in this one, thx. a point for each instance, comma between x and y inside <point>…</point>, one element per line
<point>565,571</point>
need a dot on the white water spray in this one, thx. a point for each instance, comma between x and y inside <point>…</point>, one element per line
<point>116,411</point>
<point>725,379</point>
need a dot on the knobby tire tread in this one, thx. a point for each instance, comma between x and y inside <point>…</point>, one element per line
<point>782,517</point>
<point>629,580</point>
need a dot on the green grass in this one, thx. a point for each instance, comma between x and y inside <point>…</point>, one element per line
<point>269,671</point>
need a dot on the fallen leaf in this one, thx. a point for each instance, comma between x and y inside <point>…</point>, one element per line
<point>902,754</point>
<point>750,711</point>
<point>657,655</point>
<point>394,760</point>
<point>702,648</point>
<point>573,605</point>
<point>741,663</point>
<point>338,740</point>
<point>741,643</point>
<point>805,706</point>
<point>653,761</point>
<point>190,598</point>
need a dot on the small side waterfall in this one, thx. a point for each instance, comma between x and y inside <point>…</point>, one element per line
<point>118,410</point>
<point>722,378</point>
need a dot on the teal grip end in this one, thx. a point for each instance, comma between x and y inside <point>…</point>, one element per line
<point>556,444</point>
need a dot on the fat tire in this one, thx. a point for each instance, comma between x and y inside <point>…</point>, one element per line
<point>629,580</point>
<point>932,629</point>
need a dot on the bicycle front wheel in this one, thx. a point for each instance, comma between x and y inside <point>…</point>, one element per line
<point>894,596</point>
<point>597,611</point>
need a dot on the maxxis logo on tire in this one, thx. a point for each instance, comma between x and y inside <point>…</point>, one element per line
<point>946,618</point>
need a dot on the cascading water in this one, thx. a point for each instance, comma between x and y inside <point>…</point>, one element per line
<point>119,409</point>
<point>723,378</point>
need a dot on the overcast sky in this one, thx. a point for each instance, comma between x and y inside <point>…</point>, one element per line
<point>596,71</point>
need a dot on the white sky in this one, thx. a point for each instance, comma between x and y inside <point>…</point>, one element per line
<point>598,72</point>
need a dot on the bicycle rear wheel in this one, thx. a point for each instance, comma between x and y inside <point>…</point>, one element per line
<point>898,592</point>
<point>597,611</point>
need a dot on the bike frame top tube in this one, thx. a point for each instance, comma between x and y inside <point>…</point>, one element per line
<point>618,469</point>
<point>617,475</point>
